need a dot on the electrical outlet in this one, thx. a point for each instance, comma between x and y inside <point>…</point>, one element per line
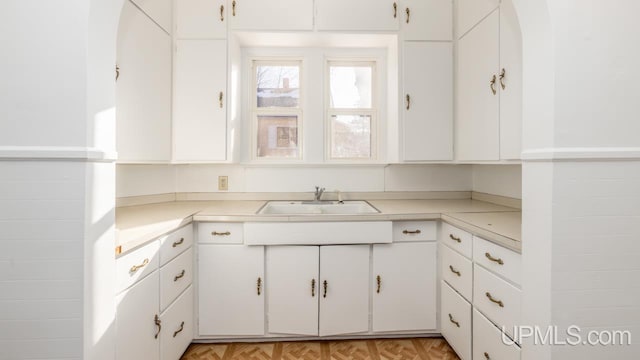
<point>223,183</point>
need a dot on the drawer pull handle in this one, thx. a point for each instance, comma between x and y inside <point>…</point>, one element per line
<point>408,97</point>
<point>325,285</point>
<point>226,233</point>
<point>411,232</point>
<point>179,276</point>
<point>486,356</point>
<point>456,239</point>
<point>233,8</point>
<point>395,10</point>
<point>135,268</point>
<point>313,287</point>
<point>503,73</point>
<point>499,302</point>
<point>379,283</point>
<point>158,323</point>
<point>453,321</point>
<point>221,12</point>
<point>259,286</point>
<point>454,270</point>
<point>408,14</point>
<point>179,242</point>
<point>175,333</point>
<point>492,84</point>
<point>498,260</point>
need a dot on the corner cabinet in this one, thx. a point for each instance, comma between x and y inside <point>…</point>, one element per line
<point>199,101</point>
<point>489,91</point>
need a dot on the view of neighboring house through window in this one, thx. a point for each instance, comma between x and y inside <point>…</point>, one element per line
<point>352,111</point>
<point>277,109</point>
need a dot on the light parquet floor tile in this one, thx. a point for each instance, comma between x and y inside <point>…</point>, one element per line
<point>378,349</point>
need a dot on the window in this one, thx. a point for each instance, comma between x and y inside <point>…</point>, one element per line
<point>276,107</point>
<point>351,110</point>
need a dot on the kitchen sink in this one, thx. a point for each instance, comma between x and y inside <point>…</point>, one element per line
<point>317,208</point>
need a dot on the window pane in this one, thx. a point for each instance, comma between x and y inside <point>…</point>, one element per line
<point>278,136</point>
<point>350,87</point>
<point>350,136</point>
<point>277,86</point>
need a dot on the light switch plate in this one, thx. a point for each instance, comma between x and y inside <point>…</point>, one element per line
<point>223,183</point>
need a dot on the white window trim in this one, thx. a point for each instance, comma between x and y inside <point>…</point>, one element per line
<point>373,111</point>
<point>284,111</point>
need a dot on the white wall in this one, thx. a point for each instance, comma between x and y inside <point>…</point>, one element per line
<point>135,180</point>
<point>503,180</point>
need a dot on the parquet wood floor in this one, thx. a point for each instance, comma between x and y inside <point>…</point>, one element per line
<point>381,349</point>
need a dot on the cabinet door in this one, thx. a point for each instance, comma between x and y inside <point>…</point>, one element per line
<point>143,89</point>
<point>292,289</point>
<point>427,19</point>
<point>511,94</point>
<point>428,107</point>
<point>478,127</point>
<point>159,10</point>
<point>201,19</point>
<point>470,12</point>
<point>344,289</point>
<point>200,126</point>
<point>231,290</point>
<point>271,15</point>
<point>137,335</point>
<point>358,15</point>
<point>404,287</point>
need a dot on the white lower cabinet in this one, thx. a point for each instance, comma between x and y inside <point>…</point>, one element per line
<point>489,342</point>
<point>177,323</point>
<point>404,286</point>
<point>231,290</point>
<point>455,321</point>
<point>499,300</point>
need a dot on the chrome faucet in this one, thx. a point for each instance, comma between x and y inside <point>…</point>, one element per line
<point>318,194</point>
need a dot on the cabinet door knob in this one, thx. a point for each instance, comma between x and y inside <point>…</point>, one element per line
<point>325,285</point>
<point>158,323</point>
<point>259,286</point>
<point>221,12</point>
<point>492,84</point>
<point>395,10</point>
<point>379,283</point>
<point>454,270</point>
<point>486,356</point>
<point>313,287</point>
<point>135,268</point>
<point>499,302</point>
<point>175,333</point>
<point>453,321</point>
<point>117,72</point>
<point>496,260</point>
<point>220,97</point>
<point>408,14</point>
<point>502,75</point>
<point>408,98</point>
<point>233,8</point>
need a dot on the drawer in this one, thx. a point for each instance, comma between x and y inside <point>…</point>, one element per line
<point>455,321</point>
<point>220,233</point>
<point>176,276</point>
<point>415,231</point>
<point>174,244</point>
<point>488,339</point>
<point>500,301</point>
<point>177,327</point>
<point>459,240</point>
<point>457,271</point>
<point>501,261</point>
<point>136,265</point>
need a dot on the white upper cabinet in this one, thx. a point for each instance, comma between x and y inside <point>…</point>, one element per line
<point>358,15</point>
<point>470,12</point>
<point>428,101</point>
<point>511,78</point>
<point>201,19</point>
<point>200,98</point>
<point>158,10</point>
<point>478,125</point>
<point>427,19</point>
<point>143,89</point>
<point>270,15</point>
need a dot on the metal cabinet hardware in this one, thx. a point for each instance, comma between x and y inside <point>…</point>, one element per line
<point>259,286</point>
<point>454,238</point>
<point>221,12</point>
<point>454,270</point>
<point>179,276</point>
<point>499,302</point>
<point>233,8</point>
<point>117,72</point>
<point>226,233</point>
<point>408,97</point>
<point>325,285</point>
<point>496,260</point>
<point>313,287</point>
<point>453,321</point>
<point>135,268</point>
<point>486,356</point>
<point>411,232</point>
<point>220,97</point>
<point>175,333</point>
<point>502,75</point>
<point>492,84</point>
<point>179,242</point>
<point>379,283</point>
<point>408,14</point>
<point>158,323</point>
<point>395,10</point>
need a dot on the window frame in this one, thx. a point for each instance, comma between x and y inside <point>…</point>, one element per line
<point>372,112</point>
<point>256,111</point>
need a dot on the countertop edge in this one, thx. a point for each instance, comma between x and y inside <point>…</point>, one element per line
<point>504,241</point>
